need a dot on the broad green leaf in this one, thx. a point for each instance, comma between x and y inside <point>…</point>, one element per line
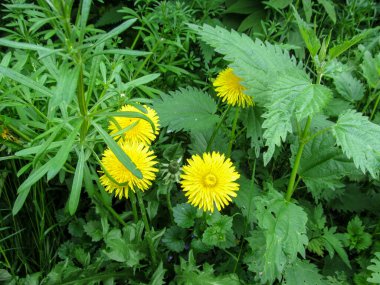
<point>308,34</point>
<point>375,268</point>
<point>77,183</point>
<point>253,121</point>
<point>174,239</point>
<point>371,69</point>
<point>283,229</point>
<point>61,156</point>
<point>242,7</point>
<point>348,86</point>
<point>303,272</point>
<point>24,188</point>
<point>119,153</point>
<point>330,9</point>
<point>186,109</point>
<point>219,233</point>
<point>184,215</point>
<point>187,273</point>
<point>139,81</point>
<point>22,79</point>
<point>94,230</point>
<point>114,32</point>
<point>360,140</point>
<point>323,165</point>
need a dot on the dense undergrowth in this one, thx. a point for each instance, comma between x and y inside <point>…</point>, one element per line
<point>260,158</point>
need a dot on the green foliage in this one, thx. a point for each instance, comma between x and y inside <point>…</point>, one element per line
<point>219,233</point>
<point>303,272</point>
<point>359,140</point>
<point>187,109</point>
<point>184,215</point>
<point>375,268</point>
<point>174,239</point>
<point>356,237</point>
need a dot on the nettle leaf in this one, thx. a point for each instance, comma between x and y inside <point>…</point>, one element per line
<point>359,140</point>
<point>375,268</point>
<point>323,165</point>
<point>333,244</point>
<point>188,273</point>
<point>371,69</point>
<point>251,118</point>
<point>187,109</point>
<point>184,215</point>
<point>174,238</point>
<point>273,78</point>
<point>220,232</point>
<point>283,228</point>
<point>303,272</point>
<point>245,199</point>
<point>349,87</point>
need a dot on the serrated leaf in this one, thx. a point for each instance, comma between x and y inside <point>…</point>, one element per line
<point>174,239</point>
<point>349,87</point>
<point>303,272</point>
<point>187,109</point>
<point>333,244</point>
<point>94,230</point>
<point>158,276</point>
<point>375,268</point>
<point>184,215</point>
<point>359,140</point>
<point>219,233</point>
<point>253,121</point>
<point>371,69</point>
<point>245,199</point>
<point>283,226</point>
<point>323,165</point>
<point>308,34</point>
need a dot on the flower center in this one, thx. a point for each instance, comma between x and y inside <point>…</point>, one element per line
<point>210,180</point>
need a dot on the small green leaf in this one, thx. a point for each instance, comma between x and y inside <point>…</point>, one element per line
<point>174,239</point>
<point>158,276</point>
<point>184,215</point>
<point>119,153</point>
<point>349,87</point>
<point>27,46</point>
<point>375,268</point>
<point>329,8</point>
<point>371,69</point>
<point>94,230</point>
<point>139,81</point>
<point>219,233</point>
<point>303,272</point>
<point>77,183</point>
<point>278,4</point>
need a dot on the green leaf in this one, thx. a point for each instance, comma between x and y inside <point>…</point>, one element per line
<point>158,276</point>
<point>323,165</point>
<point>22,79</point>
<point>349,87</point>
<point>85,11</point>
<point>94,230</point>
<point>184,215</point>
<point>187,273</point>
<point>278,4</point>
<point>174,239</point>
<point>356,237</point>
<point>114,32</point>
<point>252,119</point>
<point>245,198</point>
<point>139,81</point>
<point>61,156</point>
<point>281,237</point>
<point>329,8</point>
<point>308,9</point>
<point>219,233</point>
<point>303,272</point>
<point>337,50</point>
<point>187,109</point>
<point>371,69</point>
<point>119,153</point>
<point>77,183</point>
<point>308,34</point>
<point>359,140</point>
<point>27,46</point>
<point>24,188</point>
<point>333,244</point>
<point>375,268</point>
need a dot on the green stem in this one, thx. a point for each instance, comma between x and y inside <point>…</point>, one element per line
<point>232,136</point>
<point>169,201</point>
<point>112,211</point>
<point>224,116</point>
<point>146,60</point>
<point>375,107</point>
<point>147,228</point>
<point>134,208</point>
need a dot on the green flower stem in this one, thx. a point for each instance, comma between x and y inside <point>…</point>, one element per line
<point>232,136</point>
<point>99,199</point>
<point>169,201</point>
<point>134,208</point>
<point>375,107</point>
<point>147,228</point>
<point>224,116</point>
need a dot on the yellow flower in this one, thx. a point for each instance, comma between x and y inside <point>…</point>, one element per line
<point>209,180</point>
<point>228,87</point>
<point>141,156</point>
<point>140,130</point>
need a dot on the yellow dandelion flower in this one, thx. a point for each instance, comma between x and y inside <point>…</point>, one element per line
<point>141,156</point>
<point>209,180</point>
<point>140,130</point>
<point>228,87</point>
